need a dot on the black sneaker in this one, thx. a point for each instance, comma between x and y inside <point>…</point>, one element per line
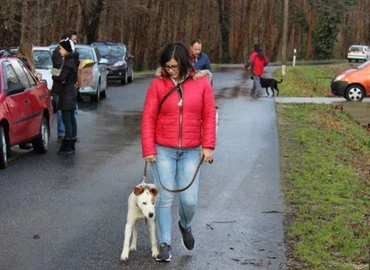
<point>164,253</point>
<point>187,238</point>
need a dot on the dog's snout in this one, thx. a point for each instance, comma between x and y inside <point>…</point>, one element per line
<point>151,214</point>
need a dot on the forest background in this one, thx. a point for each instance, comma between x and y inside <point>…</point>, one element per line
<point>317,29</point>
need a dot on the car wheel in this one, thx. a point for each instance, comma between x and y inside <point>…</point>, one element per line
<point>355,93</point>
<point>96,97</point>
<point>41,142</point>
<point>125,79</point>
<point>3,149</point>
<point>131,78</point>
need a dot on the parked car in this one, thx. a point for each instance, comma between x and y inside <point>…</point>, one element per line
<point>358,52</point>
<point>100,85</point>
<point>352,84</point>
<point>43,64</point>
<point>120,61</point>
<point>25,109</point>
<point>5,53</point>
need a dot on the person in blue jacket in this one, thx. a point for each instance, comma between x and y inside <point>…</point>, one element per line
<point>200,60</point>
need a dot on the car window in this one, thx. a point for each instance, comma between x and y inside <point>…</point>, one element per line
<point>356,48</point>
<point>117,50</point>
<point>10,75</point>
<point>97,54</point>
<point>30,79</point>
<point>363,65</point>
<point>86,53</point>
<point>24,75</point>
<point>42,59</point>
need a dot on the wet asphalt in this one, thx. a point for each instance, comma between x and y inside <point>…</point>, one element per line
<point>70,212</point>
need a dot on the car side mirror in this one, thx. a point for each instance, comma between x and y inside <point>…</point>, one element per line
<point>103,61</point>
<point>129,57</point>
<point>15,88</point>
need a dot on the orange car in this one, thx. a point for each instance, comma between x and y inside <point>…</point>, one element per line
<point>353,84</point>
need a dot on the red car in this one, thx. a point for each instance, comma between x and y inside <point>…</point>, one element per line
<point>25,109</point>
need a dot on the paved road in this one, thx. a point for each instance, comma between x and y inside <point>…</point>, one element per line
<point>69,212</point>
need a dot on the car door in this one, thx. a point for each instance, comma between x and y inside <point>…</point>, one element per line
<point>35,94</point>
<point>18,104</point>
<point>130,61</point>
<point>102,70</point>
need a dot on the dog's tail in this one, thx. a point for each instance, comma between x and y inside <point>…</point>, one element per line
<point>280,80</point>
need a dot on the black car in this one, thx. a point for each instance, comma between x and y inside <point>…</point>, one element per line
<point>120,61</point>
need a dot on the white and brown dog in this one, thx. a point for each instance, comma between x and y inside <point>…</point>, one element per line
<point>141,206</point>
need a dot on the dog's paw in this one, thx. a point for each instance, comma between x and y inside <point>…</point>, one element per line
<point>155,252</point>
<point>124,257</point>
<point>133,248</point>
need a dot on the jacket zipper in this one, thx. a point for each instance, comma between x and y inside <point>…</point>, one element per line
<point>181,112</point>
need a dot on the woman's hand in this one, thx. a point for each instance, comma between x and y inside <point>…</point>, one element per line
<point>207,155</point>
<point>203,73</point>
<point>158,72</point>
<point>150,158</point>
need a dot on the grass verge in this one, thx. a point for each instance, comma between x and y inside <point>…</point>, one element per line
<point>325,161</point>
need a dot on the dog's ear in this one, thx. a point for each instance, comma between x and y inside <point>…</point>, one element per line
<point>138,190</point>
<point>154,191</point>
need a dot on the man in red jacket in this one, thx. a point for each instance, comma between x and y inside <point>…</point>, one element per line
<point>256,61</point>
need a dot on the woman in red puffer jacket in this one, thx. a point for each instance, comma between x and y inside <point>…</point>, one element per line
<point>177,131</point>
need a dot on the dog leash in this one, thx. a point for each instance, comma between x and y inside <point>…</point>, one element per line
<point>174,190</point>
<point>144,175</point>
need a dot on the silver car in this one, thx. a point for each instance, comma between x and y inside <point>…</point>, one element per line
<point>100,85</point>
<point>43,63</point>
<point>358,52</point>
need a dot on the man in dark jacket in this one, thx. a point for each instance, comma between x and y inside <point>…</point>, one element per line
<point>200,60</point>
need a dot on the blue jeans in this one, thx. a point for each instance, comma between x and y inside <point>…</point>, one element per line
<point>60,125</point>
<point>70,124</point>
<point>61,129</point>
<point>176,168</point>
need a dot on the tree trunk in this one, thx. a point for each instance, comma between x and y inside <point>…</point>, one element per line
<point>224,21</point>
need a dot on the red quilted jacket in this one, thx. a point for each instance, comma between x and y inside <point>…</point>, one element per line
<point>257,63</point>
<point>190,125</point>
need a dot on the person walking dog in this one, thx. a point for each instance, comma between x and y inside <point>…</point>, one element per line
<point>256,61</point>
<point>177,132</point>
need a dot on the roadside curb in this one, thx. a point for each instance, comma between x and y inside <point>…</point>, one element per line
<point>327,100</point>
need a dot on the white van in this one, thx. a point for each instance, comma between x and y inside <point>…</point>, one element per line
<point>358,52</point>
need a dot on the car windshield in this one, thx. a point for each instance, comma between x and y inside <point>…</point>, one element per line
<point>42,59</point>
<point>363,65</point>
<point>356,49</point>
<point>116,50</point>
<point>86,53</point>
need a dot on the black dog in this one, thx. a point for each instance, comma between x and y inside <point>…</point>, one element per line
<point>270,83</point>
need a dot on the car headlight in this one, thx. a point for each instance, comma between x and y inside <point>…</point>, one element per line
<point>340,77</point>
<point>119,63</point>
